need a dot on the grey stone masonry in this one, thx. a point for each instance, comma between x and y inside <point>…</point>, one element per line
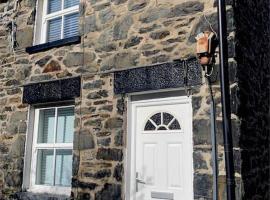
<point>115,35</point>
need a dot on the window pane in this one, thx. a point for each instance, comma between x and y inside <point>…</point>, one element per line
<point>65,125</point>
<point>162,128</point>
<point>167,118</point>
<point>44,174</point>
<point>175,125</point>
<point>54,5</point>
<point>71,25</point>
<point>46,126</point>
<point>63,167</point>
<point>54,29</point>
<point>70,3</point>
<point>157,118</point>
<point>149,126</point>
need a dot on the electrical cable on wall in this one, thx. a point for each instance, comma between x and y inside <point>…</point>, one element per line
<point>82,6</point>
<point>210,25</point>
<point>188,90</point>
<point>9,19</point>
<point>206,45</point>
<point>213,137</point>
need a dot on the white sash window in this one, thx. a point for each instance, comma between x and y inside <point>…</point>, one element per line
<point>51,166</point>
<point>59,20</point>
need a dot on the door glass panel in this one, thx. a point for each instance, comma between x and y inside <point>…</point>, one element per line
<point>157,118</point>
<point>175,125</point>
<point>162,128</point>
<point>149,126</point>
<point>65,125</point>
<point>63,167</point>
<point>162,121</point>
<point>44,174</point>
<point>46,126</point>
<point>167,118</point>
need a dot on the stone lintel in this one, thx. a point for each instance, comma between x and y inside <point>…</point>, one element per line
<point>52,91</point>
<point>176,74</point>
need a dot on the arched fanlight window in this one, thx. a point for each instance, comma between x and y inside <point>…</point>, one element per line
<point>162,121</point>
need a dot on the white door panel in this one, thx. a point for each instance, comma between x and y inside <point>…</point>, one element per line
<point>174,166</point>
<point>163,149</point>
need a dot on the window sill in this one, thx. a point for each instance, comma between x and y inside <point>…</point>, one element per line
<point>52,190</point>
<point>44,196</point>
<point>50,45</point>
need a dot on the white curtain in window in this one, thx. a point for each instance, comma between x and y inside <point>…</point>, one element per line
<point>46,126</point>
<point>54,164</point>
<point>63,167</point>
<point>65,125</point>
<point>45,167</point>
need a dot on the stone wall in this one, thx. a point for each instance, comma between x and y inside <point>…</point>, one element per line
<point>252,20</point>
<point>115,34</point>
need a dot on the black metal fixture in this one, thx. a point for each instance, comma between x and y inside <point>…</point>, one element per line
<point>205,52</point>
<point>206,45</point>
<point>225,100</point>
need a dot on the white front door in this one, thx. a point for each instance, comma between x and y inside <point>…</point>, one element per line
<point>161,150</point>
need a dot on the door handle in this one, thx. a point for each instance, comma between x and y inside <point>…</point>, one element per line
<point>138,181</point>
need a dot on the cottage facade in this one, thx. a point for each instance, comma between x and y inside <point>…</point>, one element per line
<point>106,100</point>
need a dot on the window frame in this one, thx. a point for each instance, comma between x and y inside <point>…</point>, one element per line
<point>31,153</point>
<point>41,24</point>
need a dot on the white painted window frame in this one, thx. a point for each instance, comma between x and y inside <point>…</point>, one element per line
<point>42,18</point>
<point>30,175</point>
<point>130,155</point>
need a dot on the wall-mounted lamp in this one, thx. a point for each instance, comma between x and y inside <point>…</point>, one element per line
<point>206,45</point>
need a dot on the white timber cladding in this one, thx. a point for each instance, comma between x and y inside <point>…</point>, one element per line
<point>55,20</point>
<point>55,169</point>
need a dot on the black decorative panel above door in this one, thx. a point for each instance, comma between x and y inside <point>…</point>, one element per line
<point>175,74</point>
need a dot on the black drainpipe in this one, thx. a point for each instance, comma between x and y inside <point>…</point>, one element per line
<point>225,100</point>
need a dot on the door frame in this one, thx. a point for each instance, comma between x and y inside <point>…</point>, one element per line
<point>131,138</point>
